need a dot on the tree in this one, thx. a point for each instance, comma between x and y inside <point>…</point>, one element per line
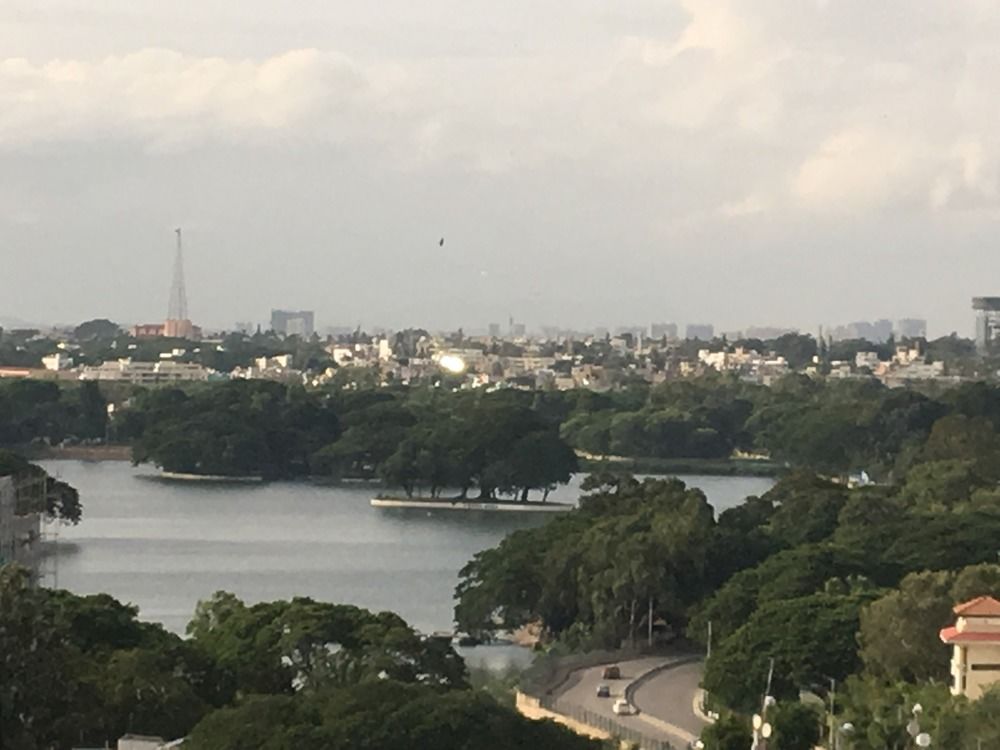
<point>899,632</point>
<point>809,638</point>
<point>796,726</point>
<point>807,508</point>
<point>382,715</point>
<point>599,569</point>
<point>278,647</point>
<point>40,691</point>
<point>99,328</point>
<point>730,732</point>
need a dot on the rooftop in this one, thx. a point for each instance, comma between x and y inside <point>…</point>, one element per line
<point>982,606</point>
<point>953,635</point>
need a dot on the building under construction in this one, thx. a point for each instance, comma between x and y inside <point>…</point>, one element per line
<point>987,323</point>
<point>22,505</point>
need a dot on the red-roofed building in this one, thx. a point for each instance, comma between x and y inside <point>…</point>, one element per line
<point>975,638</point>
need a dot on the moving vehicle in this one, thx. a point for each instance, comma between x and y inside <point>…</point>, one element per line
<point>623,708</point>
<point>603,691</point>
<point>612,673</point>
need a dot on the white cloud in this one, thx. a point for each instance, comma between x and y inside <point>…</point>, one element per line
<point>158,95</point>
<point>858,168</point>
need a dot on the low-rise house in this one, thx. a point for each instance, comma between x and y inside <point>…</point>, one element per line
<point>975,642</point>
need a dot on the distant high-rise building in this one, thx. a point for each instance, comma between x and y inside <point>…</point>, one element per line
<point>881,330</point>
<point>293,323</point>
<point>633,331</point>
<point>987,322</point>
<point>700,331</point>
<point>663,330</point>
<point>495,330</point>
<point>877,333</point>
<point>764,333</point>
<point>911,328</point>
<point>517,330</point>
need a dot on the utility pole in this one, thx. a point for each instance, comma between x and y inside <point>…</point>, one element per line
<point>833,714</point>
<point>649,624</point>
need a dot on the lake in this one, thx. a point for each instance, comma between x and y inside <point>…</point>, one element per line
<point>165,545</point>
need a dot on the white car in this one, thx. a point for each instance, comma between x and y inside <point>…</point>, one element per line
<point>623,708</point>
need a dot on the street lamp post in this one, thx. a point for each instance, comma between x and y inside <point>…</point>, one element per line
<point>920,739</point>
<point>761,728</point>
<point>845,730</point>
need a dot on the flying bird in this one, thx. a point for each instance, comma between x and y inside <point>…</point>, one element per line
<point>441,242</point>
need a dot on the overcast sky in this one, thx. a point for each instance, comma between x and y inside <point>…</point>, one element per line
<point>780,162</point>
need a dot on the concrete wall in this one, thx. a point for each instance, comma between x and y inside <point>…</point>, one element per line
<point>987,659</point>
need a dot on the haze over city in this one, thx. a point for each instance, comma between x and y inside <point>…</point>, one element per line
<point>774,163</point>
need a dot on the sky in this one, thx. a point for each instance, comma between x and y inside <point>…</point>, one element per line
<point>775,162</point>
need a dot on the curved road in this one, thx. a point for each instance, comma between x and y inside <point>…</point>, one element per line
<point>669,696</point>
<point>664,701</point>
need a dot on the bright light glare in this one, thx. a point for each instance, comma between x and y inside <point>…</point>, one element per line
<point>451,363</point>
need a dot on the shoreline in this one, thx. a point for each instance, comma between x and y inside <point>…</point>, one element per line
<point>505,506</point>
<point>667,467</point>
<point>647,466</point>
<point>95,453</point>
<point>179,476</point>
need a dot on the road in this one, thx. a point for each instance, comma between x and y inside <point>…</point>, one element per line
<point>665,702</point>
<point>669,696</point>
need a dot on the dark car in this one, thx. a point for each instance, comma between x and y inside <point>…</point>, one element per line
<point>612,673</point>
<point>603,691</point>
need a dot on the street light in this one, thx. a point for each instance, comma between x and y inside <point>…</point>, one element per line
<point>845,730</point>
<point>921,739</point>
<point>762,729</point>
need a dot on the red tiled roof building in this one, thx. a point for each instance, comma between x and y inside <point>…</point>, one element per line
<point>975,639</point>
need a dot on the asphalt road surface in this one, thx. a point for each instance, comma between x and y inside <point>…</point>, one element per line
<point>665,702</point>
<point>669,696</point>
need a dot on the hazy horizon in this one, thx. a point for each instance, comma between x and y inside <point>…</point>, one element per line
<point>782,163</point>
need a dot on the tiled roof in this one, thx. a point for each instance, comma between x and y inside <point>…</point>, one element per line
<point>983,606</point>
<point>951,635</point>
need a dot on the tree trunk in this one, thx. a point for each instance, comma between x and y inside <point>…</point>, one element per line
<point>524,495</point>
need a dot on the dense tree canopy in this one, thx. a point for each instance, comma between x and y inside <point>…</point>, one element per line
<point>44,410</point>
<point>384,715</point>
<point>83,670</point>
<point>501,444</point>
<point>596,572</point>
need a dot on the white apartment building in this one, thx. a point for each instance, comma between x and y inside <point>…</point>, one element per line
<point>145,373</point>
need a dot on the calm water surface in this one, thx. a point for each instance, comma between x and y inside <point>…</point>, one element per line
<point>164,545</point>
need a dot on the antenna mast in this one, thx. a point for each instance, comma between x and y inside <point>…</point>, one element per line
<point>178,308</point>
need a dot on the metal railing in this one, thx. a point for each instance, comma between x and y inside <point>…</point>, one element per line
<point>613,727</point>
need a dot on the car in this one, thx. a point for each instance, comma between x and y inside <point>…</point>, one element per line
<point>603,691</point>
<point>612,673</point>
<point>623,708</point>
